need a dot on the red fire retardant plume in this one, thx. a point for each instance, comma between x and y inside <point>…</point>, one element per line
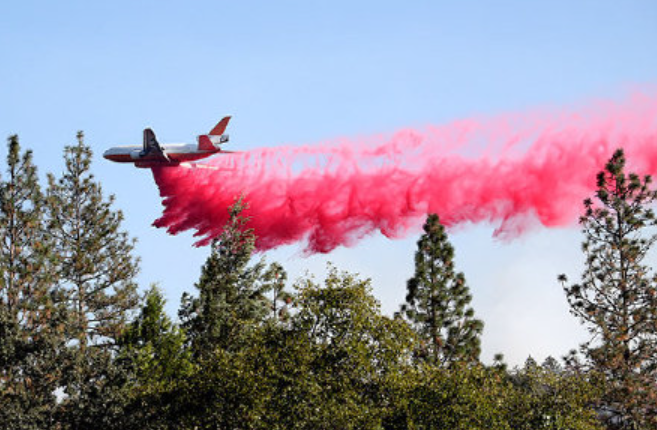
<point>509,170</point>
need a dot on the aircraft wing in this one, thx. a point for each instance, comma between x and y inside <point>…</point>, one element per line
<point>152,149</point>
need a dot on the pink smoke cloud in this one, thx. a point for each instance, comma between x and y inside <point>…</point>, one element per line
<point>507,170</point>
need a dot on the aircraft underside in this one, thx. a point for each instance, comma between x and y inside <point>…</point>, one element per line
<point>156,160</point>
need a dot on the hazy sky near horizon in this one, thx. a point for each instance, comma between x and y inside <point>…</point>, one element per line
<point>299,72</point>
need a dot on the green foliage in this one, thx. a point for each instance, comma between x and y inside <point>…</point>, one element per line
<point>336,364</point>
<point>95,261</point>
<point>231,292</point>
<point>459,397</point>
<point>437,302</point>
<point>359,356</point>
<point>96,271</point>
<point>153,348</point>
<point>227,390</point>
<point>96,392</point>
<point>617,297</point>
<point>31,320</point>
<point>477,397</point>
<point>274,282</point>
<point>548,397</point>
<point>155,344</point>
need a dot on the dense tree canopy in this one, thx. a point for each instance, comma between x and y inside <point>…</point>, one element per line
<point>231,290</point>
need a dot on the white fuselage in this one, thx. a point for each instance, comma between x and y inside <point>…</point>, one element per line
<point>177,153</point>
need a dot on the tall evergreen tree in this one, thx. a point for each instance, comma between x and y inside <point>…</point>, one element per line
<point>156,340</point>
<point>437,301</point>
<point>97,269</point>
<point>96,262</point>
<point>275,278</point>
<point>31,325</point>
<point>154,348</point>
<point>617,296</point>
<point>231,293</point>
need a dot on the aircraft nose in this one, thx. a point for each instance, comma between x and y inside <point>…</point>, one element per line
<point>109,155</point>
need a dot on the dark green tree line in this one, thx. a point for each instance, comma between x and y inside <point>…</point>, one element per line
<point>340,363</point>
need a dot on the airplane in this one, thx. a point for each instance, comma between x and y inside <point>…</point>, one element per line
<point>153,154</point>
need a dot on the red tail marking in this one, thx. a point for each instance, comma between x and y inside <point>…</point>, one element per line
<point>220,127</point>
<point>205,144</point>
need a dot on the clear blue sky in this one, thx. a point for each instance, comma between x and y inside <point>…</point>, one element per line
<point>301,72</point>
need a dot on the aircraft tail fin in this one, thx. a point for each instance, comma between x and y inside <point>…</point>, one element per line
<point>219,129</point>
<point>211,143</point>
<point>212,140</point>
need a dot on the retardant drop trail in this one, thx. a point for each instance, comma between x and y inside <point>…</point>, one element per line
<point>507,170</point>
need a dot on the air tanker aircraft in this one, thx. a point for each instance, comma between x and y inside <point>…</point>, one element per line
<point>152,154</point>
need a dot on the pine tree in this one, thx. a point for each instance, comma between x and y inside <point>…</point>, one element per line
<point>274,280</point>
<point>617,296</point>
<point>97,270</point>
<point>437,301</point>
<point>96,263</point>
<point>157,343</point>
<point>31,323</point>
<point>154,348</point>
<point>231,293</point>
